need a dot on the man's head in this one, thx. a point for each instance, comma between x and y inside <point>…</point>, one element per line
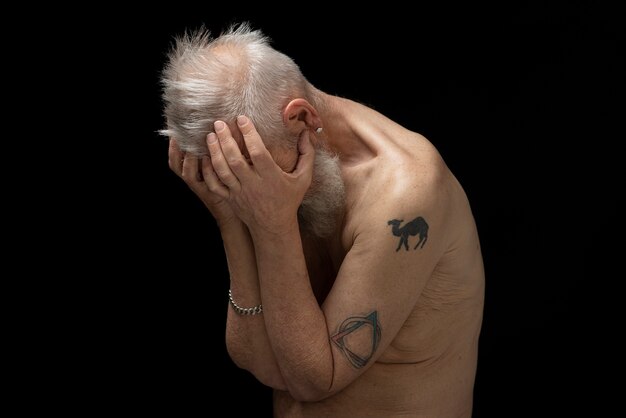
<point>239,73</point>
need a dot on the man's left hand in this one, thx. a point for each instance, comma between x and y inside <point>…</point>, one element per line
<point>261,193</point>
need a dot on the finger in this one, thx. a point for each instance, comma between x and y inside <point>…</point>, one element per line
<point>175,158</point>
<point>223,171</point>
<point>307,156</point>
<point>260,156</point>
<point>190,171</point>
<point>231,151</point>
<point>211,180</point>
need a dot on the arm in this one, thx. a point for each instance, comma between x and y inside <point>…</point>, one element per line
<point>320,350</point>
<point>324,349</point>
<point>246,337</point>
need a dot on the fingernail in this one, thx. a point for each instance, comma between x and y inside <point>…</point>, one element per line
<point>219,126</point>
<point>242,120</point>
<point>211,138</point>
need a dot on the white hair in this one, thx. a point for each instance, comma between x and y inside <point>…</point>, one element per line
<point>238,73</point>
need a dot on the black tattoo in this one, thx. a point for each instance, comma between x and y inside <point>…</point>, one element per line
<point>415,227</point>
<point>348,327</point>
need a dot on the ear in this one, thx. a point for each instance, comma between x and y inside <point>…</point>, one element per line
<point>299,115</point>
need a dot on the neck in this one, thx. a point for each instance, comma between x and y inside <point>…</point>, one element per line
<point>338,119</point>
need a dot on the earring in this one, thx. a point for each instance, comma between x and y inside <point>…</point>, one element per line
<point>319,130</point>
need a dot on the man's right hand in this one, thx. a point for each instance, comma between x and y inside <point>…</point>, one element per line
<point>201,180</point>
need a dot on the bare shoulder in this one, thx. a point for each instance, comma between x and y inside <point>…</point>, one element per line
<point>415,165</point>
<point>407,181</point>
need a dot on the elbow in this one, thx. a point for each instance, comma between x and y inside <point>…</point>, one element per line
<point>310,389</point>
<point>261,370</point>
<point>307,397</point>
<point>310,379</point>
<point>269,377</point>
<point>309,394</point>
<point>237,355</point>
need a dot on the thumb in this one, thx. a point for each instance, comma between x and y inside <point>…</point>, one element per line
<point>307,155</point>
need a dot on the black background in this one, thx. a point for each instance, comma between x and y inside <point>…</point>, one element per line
<point>525,105</point>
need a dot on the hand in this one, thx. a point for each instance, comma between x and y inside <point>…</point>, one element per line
<point>261,194</point>
<point>188,168</point>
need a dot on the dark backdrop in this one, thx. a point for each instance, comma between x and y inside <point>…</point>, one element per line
<point>519,103</point>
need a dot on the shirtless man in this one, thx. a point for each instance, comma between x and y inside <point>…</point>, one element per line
<point>356,274</point>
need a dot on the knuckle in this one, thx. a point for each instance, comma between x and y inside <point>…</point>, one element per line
<point>224,175</point>
<point>214,187</point>
<point>228,141</point>
<point>215,151</point>
<point>235,162</point>
<point>248,129</point>
<point>207,171</point>
<point>255,152</point>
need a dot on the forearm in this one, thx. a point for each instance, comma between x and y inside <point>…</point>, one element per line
<point>246,336</point>
<point>265,197</point>
<point>295,323</point>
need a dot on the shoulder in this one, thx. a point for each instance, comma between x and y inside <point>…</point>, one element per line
<point>418,171</point>
<point>409,176</point>
<point>408,189</point>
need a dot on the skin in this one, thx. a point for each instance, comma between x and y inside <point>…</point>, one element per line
<point>371,327</point>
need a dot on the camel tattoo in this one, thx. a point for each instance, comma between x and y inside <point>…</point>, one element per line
<point>358,356</point>
<point>417,226</point>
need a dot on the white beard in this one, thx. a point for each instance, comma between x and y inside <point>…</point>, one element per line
<point>321,207</point>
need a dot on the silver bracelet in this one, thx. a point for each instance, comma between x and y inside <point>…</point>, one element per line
<point>244,311</point>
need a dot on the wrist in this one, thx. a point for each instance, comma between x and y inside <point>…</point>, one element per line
<point>222,213</point>
<point>229,223</point>
<point>272,232</point>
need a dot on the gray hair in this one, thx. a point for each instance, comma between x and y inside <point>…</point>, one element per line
<point>238,73</point>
